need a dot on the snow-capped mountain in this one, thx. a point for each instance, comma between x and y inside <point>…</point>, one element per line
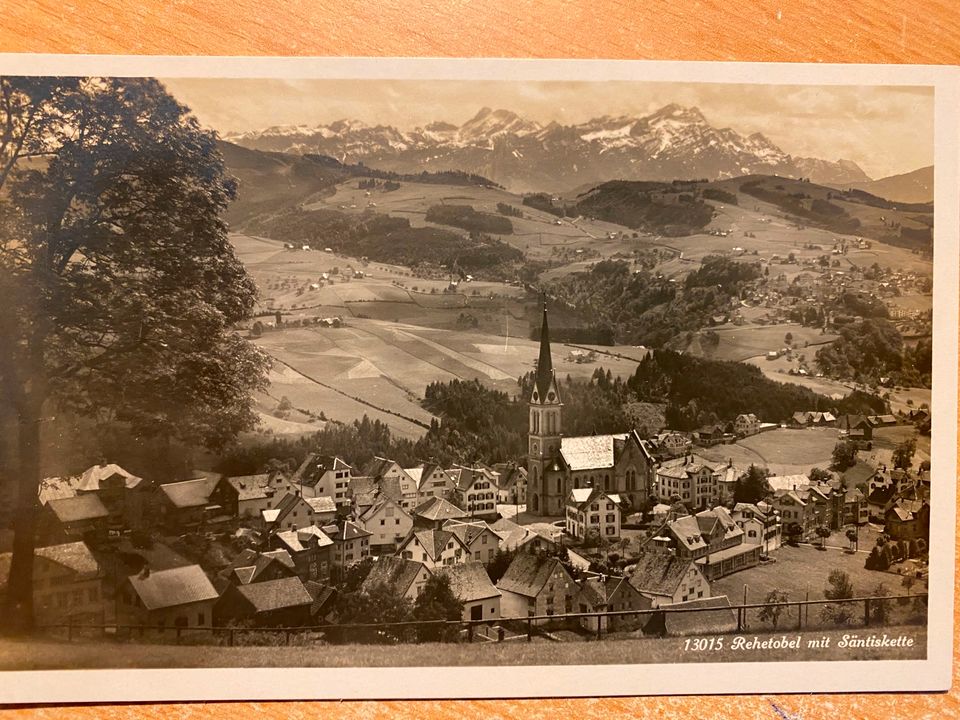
<point>673,142</point>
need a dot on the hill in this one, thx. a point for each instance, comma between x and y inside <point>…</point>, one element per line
<point>911,187</point>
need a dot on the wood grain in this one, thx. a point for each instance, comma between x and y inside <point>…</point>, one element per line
<point>875,31</point>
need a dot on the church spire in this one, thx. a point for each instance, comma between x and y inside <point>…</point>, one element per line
<point>545,363</point>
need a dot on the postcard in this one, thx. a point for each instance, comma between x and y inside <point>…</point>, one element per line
<point>422,378</point>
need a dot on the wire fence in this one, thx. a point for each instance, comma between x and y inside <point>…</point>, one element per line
<point>666,621</point>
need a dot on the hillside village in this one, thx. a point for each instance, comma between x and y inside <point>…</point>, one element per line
<point>590,525</point>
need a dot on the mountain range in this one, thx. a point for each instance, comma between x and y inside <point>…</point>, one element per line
<point>524,155</point>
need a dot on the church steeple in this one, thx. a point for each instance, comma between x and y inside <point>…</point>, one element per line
<point>545,379</point>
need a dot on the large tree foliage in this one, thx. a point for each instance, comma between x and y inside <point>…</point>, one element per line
<point>118,285</point>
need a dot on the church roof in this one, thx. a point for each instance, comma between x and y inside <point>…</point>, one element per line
<point>545,362</point>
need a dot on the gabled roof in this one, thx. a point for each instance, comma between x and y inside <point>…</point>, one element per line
<point>321,504</point>
<point>378,466</point>
<point>787,482</point>
<point>190,493</point>
<point>347,531</point>
<point>438,509</point>
<point>580,497</point>
<point>599,591</point>
<point>513,536</point>
<point>433,541</point>
<point>859,473</point>
<point>304,538</point>
<point>469,581</point>
<point>415,474</point>
<point>718,617</point>
<point>78,508</point>
<point>688,532</point>
<point>510,475</point>
<point>528,574</point>
<point>590,452</point>
<point>379,503</point>
<point>467,532</point>
<point>75,556</point>
<point>658,573</point>
<point>93,477</point>
<point>315,466</point>
<point>251,487</point>
<point>169,588</point>
<point>276,594</point>
<point>397,573</point>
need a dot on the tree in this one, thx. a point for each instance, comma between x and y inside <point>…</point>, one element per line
<point>788,338</point>
<point>903,453</point>
<point>497,567</point>
<point>118,284</point>
<point>853,536</point>
<point>752,486</point>
<point>823,532</point>
<point>880,608</point>
<point>819,475</point>
<point>844,455</point>
<point>839,586</point>
<point>437,602</point>
<point>376,605</point>
<point>773,607</point>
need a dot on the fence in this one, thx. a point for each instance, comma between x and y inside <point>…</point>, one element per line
<point>667,621</point>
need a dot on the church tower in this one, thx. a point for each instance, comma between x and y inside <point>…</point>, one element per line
<point>544,431</point>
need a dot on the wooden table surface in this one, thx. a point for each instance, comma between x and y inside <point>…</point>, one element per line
<point>895,31</point>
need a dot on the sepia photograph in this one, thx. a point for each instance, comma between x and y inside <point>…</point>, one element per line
<point>566,375</point>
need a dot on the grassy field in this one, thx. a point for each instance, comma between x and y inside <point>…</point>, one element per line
<point>784,452</point>
<point>45,655</point>
<point>740,342</point>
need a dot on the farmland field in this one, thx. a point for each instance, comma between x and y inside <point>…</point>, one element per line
<point>740,342</point>
<point>784,452</point>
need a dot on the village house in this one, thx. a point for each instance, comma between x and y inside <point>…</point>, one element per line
<point>190,504</point>
<point>434,482</point>
<point>471,585</point>
<point>746,424</point>
<point>179,597</point>
<point>125,496</point>
<point>690,479</point>
<point>67,584</point>
<point>481,542</point>
<point>283,602</point>
<point>715,616</point>
<point>256,493</point>
<point>593,512</point>
<point>855,427</point>
<point>812,419</point>
<point>251,566</point>
<point>362,493</point>
<point>435,511</point>
<point>323,509</point>
<point>393,481</point>
<point>670,444</point>
<point>351,543</point>
<point>81,517</point>
<point>619,463</point>
<point>536,585</point>
<point>388,524</point>
<point>404,577</point>
<point>609,593</point>
<point>311,550</point>
<point>522,537</point>
<point>512,483</point>
<point>434,548</point>
<point>291,512</point>
<point>324,475</point>
<point>908,520</point>
<point>803,510</point>
<point>760,523</point>
<point>712,540</point>
<point>476,490</point>
<point>666,578</point>
<point>709,435</point>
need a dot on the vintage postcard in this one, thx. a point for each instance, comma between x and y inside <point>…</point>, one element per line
<point>353,378</point>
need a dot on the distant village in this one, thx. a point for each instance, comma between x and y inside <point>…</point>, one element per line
<point>589,526</point>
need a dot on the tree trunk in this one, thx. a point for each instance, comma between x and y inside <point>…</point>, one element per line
<point>17,615</point>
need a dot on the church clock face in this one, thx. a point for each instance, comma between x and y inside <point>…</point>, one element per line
<point>536,448</point>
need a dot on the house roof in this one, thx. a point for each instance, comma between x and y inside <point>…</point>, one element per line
<point>276,594</point>
<point>190,493</point>
<point>433,541</point>
<point>590,452</point>
<point>314,467</point>
<point>787,482</point>
<point>513,536</point>
<point>176,586</point>
<point>528,574</point>
<point>379,502</point>
<point>78,508</point>
<point>659,573</point>
<point>321,504</point>
<point>467,532</point>
<point>251,487</point>
<point>859,473</point>
<point>75,556</point>
<point>93,476</point>
<point>415,474</point>
<point>469,581</point>
<point>347,531</point>
<point>397,573</point>
<point>717,617</point>
<point>378,466</point>
<point>321,594</point>
<point>598,591</point>
<point>304,538</point>
<point>436,508</point>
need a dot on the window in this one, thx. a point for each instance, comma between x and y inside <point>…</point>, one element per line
<point>383,522</point>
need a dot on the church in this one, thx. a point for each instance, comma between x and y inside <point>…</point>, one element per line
<point>620,463</point>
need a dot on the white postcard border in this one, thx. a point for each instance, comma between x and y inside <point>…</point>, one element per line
<point>931,674</point>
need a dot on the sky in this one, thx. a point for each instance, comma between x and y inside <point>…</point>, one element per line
<point>885,130</point>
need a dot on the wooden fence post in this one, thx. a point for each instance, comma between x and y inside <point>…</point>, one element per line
<point>470,632</point>
<point>599,626</point>
<point>529,629</point>
<point>866,613</point>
